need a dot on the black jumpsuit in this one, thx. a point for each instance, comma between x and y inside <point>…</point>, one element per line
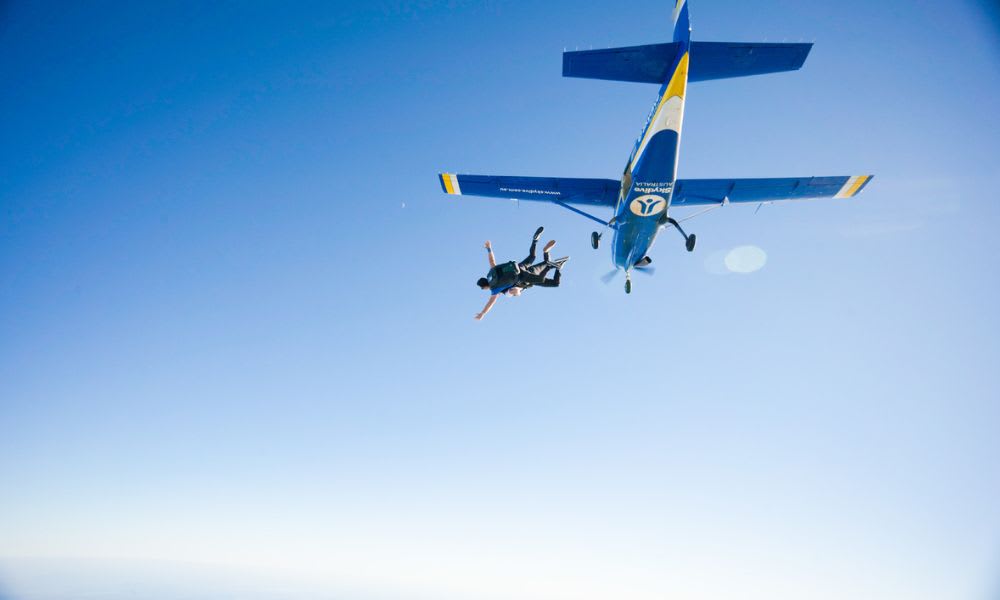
<point>532,275</point>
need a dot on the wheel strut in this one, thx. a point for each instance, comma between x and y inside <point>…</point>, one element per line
<point>689,240</point>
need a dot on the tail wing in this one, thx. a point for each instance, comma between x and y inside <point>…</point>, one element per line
<point>640,64</point>
<point>708,60</point>
<point>723,60</point>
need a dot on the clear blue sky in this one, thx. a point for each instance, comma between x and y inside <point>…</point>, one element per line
<point>236,309</point>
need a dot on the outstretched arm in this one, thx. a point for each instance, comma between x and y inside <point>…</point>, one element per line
<point>489,254</point>
<point>489,305</point>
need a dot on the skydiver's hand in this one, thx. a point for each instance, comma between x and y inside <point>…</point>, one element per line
<point>479,316</point>
<point>488,245</point>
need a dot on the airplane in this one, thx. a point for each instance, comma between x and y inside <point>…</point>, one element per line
<point>649,187</point>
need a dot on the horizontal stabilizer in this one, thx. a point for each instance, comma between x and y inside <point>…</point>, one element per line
<point>709,60</point>
<point>696,192</point>
<point>641,64</point>
<point>595,192</point>
<point>722,60</point>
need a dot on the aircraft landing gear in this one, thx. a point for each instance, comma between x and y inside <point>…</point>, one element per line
<point>595,240</point>
<point>628,283</point>
<point>689,240</point>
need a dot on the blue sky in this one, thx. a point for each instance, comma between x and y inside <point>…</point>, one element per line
<point>236,327</point>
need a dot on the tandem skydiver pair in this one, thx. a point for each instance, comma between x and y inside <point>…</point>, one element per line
<point>511,278</point>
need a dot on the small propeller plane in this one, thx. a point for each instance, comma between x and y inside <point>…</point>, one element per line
<point>649,188</point>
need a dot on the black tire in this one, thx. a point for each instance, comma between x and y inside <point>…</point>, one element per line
<point>628,286</point>
<point>595,240</point>
<point>691,241</point>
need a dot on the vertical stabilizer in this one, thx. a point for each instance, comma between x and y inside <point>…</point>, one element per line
<point>682,23</point>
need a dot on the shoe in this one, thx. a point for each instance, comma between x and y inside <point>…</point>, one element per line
<point>558,263</point>
<point>538,233</point>
<point>549,246</point>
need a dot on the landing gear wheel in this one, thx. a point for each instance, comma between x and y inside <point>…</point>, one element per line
<point>689,244</point>
<point>595,240</point>
<point>628,285</point>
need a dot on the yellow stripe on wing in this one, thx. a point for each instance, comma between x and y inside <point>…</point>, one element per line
<point>859,184</point>
<point>853,185</point>
<point>450,183</point>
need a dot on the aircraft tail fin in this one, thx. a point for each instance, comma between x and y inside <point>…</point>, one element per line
<point>682,21</point>
<point>708,60</point>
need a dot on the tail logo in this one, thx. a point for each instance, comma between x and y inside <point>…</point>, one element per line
<point>648,206</point>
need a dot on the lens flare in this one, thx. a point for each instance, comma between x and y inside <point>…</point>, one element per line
<point>745,259</point>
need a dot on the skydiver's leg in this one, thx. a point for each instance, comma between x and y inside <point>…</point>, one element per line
<point>554,282</point>
<point>541,268</point>
<point>532,278</point>
<point>534,244</point>
<point>546,249</point>
<point>530,258</point>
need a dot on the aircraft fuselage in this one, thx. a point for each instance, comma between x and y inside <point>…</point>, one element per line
<point>649,177</point>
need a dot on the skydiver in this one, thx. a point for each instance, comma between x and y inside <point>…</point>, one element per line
<point>512,278</point>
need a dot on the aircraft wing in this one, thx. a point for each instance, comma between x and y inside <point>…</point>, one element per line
<point>594,192</point>
<point>696,192</point>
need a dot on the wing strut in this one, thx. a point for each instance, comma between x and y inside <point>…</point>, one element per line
<point>701,212</point>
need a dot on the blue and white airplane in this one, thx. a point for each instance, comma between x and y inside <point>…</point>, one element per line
<point>649,187</point>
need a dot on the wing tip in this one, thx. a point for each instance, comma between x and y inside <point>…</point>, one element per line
<point>854,185</point>
<point>449,184</point>
<point>868,179</point>
<point>806,51</point>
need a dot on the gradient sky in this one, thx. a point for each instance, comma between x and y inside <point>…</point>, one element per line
<point>236,327</point>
